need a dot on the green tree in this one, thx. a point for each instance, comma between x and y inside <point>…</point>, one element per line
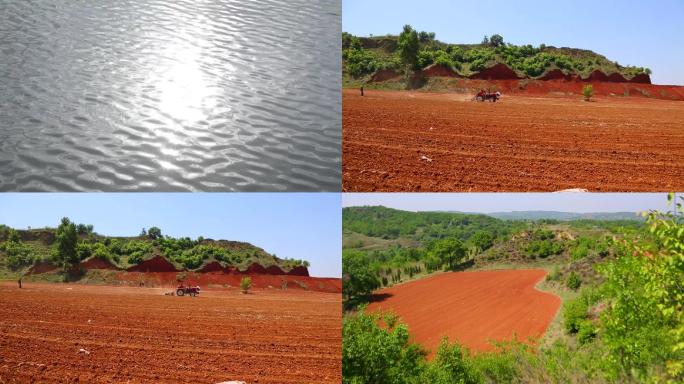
<point>81,229</point>
<point>482,240</point>
<point>423,37</point>
<point>375,354</point>
<point>101,251</point>
<point>644,324</point>
<point>17,253</point>
<point>450,251</point>
<point>154,233</point>
<point>65,244</point>
<point>408,47</point>
<point>496,40</point>
<point>358,280</point>
<point>13,236</point>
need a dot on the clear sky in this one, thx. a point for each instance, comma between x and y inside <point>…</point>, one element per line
<point>507,202</point>
<point>642,33</point>
<point>297,225</point>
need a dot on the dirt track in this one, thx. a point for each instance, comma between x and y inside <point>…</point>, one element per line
<point>472,307</point>
<point>519,144</point>
<point>138,335</point>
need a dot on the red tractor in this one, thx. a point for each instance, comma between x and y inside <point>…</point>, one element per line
<point>487,95</point>
<point>182,290</point>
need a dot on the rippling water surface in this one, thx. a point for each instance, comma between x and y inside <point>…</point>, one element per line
<point>170,95</point>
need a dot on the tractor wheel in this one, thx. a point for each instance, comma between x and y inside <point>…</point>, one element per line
<point>494,100</point>
<point>180,292</point>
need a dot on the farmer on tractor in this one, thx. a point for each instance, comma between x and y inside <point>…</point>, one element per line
<point>182,290</point>
<point>487,95</point>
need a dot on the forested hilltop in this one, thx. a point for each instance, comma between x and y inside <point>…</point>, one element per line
<point>412,50</point>
<point>395,246</point>
<point>620,281</point>
<point>70,244</point>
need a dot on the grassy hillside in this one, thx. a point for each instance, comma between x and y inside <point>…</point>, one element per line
<point>362,56</point>
<point>19,249</point>
<point>621,320</point>
<point>399,245</point>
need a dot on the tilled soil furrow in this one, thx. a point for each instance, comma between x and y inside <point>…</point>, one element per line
<point>58,333</point>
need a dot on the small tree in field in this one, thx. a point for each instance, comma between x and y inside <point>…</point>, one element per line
<point>588,92</point>
<point>245,284</point>
<point>408,47</point>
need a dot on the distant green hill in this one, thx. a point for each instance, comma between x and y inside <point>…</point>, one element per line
<point>363,56</point>
<point>565,216</point>
<point>388,223</point>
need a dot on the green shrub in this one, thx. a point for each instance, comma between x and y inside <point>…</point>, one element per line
<point>586,331</point>
<point>13,236</point>
<point>375,354</point>
<point>574,313</point>
<point>18,254</point>
<point>644,325</point>
<point>588,92</point>
<point>449,366</point>
<point>555,275</point>
<point>245,284</point>
<point>573,281</point>
<point>579,252</point>
<point>500,366</point>
<point>542,248</point>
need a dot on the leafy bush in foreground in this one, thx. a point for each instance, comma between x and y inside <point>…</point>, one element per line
<point>644,324</point>
<point>376,349</point>
<point>374,354</point>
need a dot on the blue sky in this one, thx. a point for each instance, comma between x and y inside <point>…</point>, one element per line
<point>506,202</point>
<point>298,225</point>
<point>641,33</point>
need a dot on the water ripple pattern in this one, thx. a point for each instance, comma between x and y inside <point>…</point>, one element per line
<point>183,95</point>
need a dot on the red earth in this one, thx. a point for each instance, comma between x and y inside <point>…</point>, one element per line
<point>472,308</point>
<point>418,141</point>
<point>72,333</point>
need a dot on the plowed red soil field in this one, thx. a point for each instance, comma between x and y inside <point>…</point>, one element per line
<point>472,308</point>
<point>138,335</point>
<point>416,141</point>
